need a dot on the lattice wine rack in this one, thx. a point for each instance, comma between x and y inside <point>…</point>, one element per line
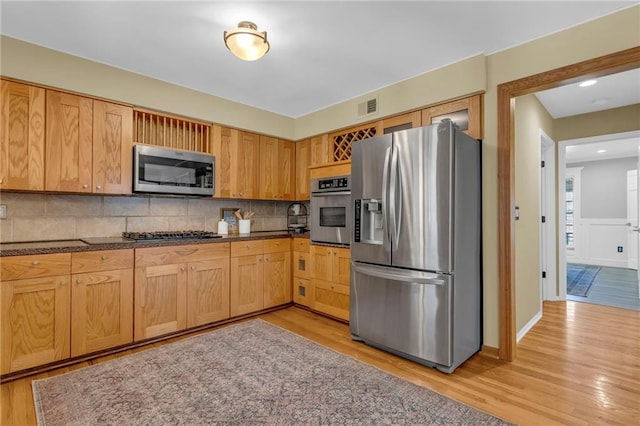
<point>171,132</point>
<point>341,142</point>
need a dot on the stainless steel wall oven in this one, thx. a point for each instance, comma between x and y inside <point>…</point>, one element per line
<point>331,210</point>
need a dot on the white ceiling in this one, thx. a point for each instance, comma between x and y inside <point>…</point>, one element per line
<point>322,53</point>
<point>607,148</point>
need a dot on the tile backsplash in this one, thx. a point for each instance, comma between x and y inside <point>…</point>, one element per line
<point>44,217</point>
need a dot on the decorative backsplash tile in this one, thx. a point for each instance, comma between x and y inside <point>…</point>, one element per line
<point>44,217</point>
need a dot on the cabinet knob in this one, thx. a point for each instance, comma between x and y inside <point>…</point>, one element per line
<point>241,194</point>
<point>193,268</point>
<point>99,187</point>
<point>63,283</point>
<point>104,257</point>
<point>233,193</point>
<point>181,269</point>
<point>1,181</point>
<point>85,186</point>
<point>248,246</point>
<point>35,262</point>
<point>78,281</point>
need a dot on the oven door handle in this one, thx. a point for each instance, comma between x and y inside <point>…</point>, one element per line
<point>328,194</point>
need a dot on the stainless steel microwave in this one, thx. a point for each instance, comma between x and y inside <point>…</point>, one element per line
<point>169,171</point>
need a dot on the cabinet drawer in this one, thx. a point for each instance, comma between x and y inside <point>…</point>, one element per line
<point>247,248</point>
<point>155,256</point>
<point>303,292</point>
<point>279,245</point>
<point>35,266</point>
<point>301,265</point>
<point>104,260</point>
<point>301,245</point>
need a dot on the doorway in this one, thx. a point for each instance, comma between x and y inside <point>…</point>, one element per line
<point>596,67</point>
<point>597,245</point>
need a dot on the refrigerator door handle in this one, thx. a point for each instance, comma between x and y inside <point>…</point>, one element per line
<point>398,274</point>
<point>385,192</point>
<point>393,199</point>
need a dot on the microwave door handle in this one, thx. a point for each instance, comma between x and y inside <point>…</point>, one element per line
<point>331,194</point>
<point>385,192</point>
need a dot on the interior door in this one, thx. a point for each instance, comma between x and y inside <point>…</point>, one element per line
<point>632,219</point>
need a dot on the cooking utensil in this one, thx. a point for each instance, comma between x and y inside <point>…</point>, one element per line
<point>237,214</point>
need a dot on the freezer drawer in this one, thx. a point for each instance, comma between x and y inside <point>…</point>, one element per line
<point>409,312</point>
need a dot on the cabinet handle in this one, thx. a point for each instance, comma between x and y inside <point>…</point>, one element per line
<point>241,194</point>
<point>35,262</point>
<point>248,246</point>
<point>1,181</point>
<point>85,186</point>
<point>193,268</point>
<point>78,281</point>
<point>181,269</point>
<point>63,283</point>
<point>104,257</point>
<point>99,187</point>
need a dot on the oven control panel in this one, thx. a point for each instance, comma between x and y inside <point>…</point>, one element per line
<point>332,184</point>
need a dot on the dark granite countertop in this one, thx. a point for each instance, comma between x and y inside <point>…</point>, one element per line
<point>116,243</point>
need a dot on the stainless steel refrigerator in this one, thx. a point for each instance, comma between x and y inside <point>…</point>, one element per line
<point>416,244</point>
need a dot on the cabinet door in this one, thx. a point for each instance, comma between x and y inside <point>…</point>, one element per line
<point>247,287</point>
<point>112,148</point>
<point>321,262</point>
<point>286,169</point>
<point>102,310</point>
<point>341,265</point>
<point>399,122</point>
<point>68,142</point>
<point>331,298</point>
<point>247,166</point>
<point>35,322</point>
<point>319,150</point>
<point>303,158</point>
<point>22,136</point>
<point>207,292</point>
<point>467,113</point>
<point>277,279</point>
<point>269,168</point>
<point>301,265</point>
<point>225,142</point>
<point>303,292</point>
<point>161,300</point>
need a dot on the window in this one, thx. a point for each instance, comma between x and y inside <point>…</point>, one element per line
<point>569,213</point>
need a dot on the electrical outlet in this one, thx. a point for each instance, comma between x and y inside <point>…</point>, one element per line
<point>3,211</point>
<point>619,249</point>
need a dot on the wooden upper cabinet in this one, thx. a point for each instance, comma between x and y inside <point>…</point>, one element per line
<point>303,158</point>
<point>319,150</point>
<point>399,122</point>
<point>340,142</point>
<point>88,145</point>
<point>69,142</point>
<point>466,113</point>
<point>237,159</point>
<point>112,148</point>
<point>22,135</point>
<point>277,169</point>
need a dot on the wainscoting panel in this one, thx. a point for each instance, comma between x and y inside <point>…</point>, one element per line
<point>597,242</point>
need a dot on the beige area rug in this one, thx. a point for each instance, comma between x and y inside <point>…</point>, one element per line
<point>251,372</point>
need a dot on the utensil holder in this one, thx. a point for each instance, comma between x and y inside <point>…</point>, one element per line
<point>244,226</point>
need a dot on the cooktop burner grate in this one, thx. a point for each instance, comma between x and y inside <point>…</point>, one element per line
<point>169,235</point>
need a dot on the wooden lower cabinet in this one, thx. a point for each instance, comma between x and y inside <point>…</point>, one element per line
<point>260,275</point>
<point>302,288</point>
<point>167,278</point>
<point>101,300</point>
<point>35,322</point>
<point>207,292</point>
<point>330,274</point>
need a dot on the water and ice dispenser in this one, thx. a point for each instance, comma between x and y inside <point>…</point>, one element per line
<point>368,221</point>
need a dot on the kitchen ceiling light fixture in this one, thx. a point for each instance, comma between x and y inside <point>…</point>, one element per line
<point>246,42</point>
<point>588,83</point>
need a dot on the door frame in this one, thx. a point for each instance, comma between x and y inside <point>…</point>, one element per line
<point>548,245</point>
<point>507,92</point>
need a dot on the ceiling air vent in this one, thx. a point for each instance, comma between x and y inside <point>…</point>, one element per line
<point>368,107</point>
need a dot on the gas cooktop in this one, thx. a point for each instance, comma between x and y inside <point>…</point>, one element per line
<point>170,235</point>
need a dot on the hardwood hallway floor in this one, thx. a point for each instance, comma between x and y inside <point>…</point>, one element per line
<point>579,365</point>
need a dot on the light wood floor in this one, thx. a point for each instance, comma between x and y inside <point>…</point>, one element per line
<point>579,365</point>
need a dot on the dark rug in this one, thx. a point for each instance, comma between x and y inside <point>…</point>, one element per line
<point>252,372</point>
<point>580,277</point>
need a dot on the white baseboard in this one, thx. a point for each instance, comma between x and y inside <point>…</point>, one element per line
<point>524,330</point>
